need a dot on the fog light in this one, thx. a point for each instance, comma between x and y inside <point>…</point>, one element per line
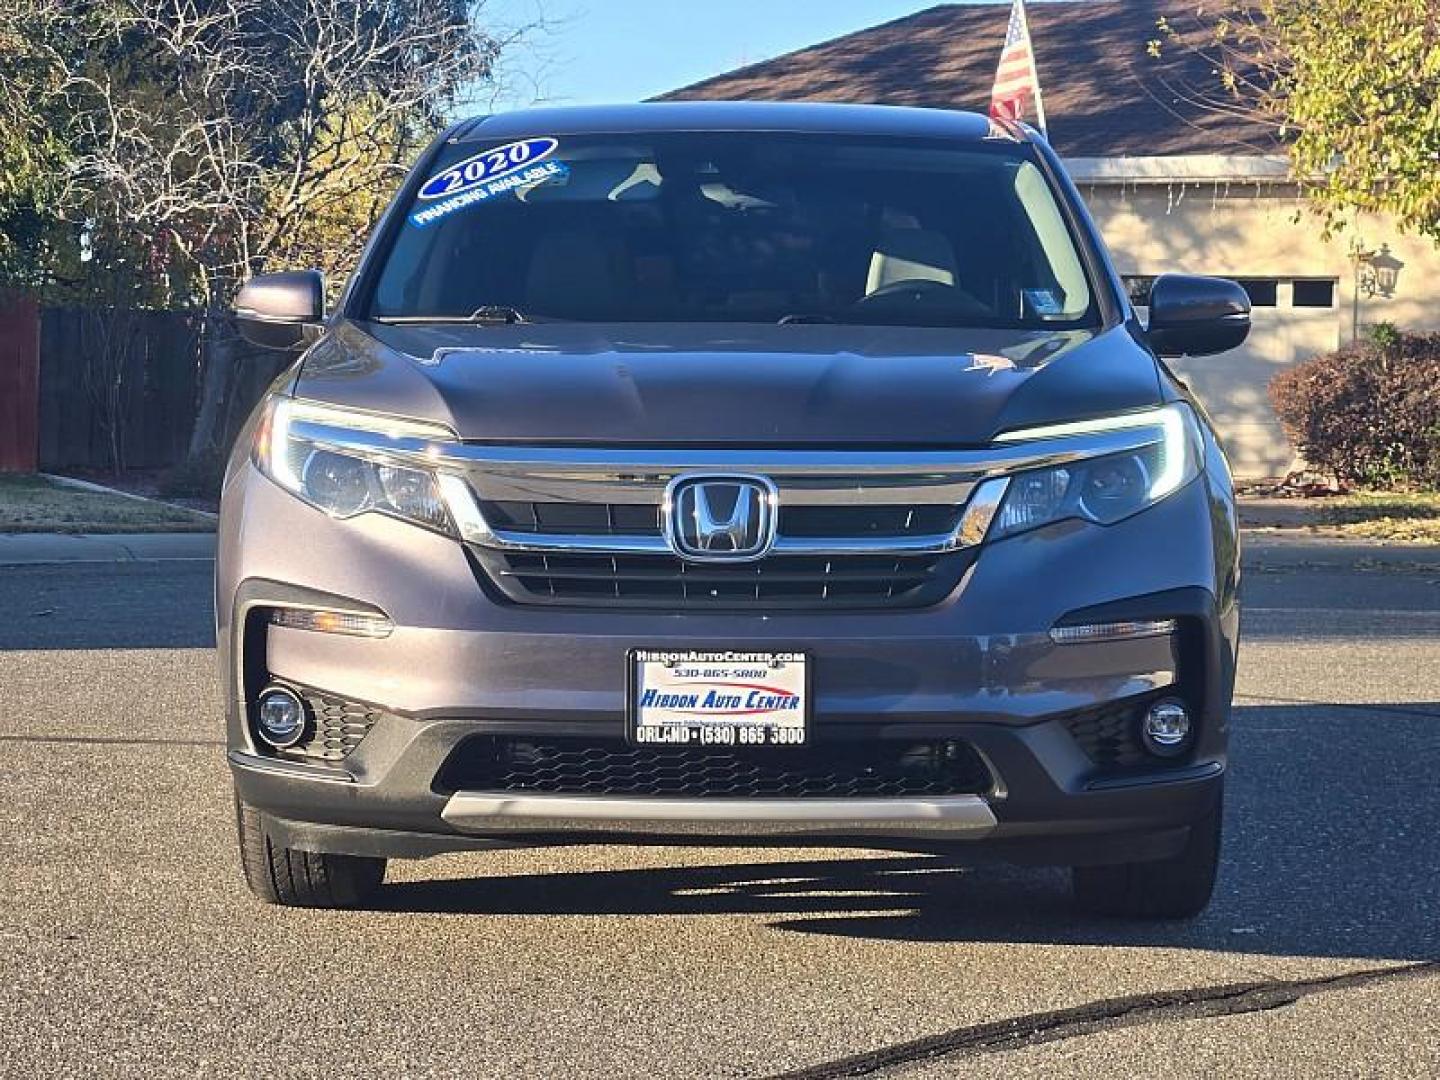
<point>1166,728</point>
<point>281,717</point>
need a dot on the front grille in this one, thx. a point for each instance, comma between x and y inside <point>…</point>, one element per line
<point>579,519</point>
<point>852,529</point>
<point>632,519</point>
<point>336,728</point>
<point>777,581</point>
<point>867,521</point>
<point>580,766</point>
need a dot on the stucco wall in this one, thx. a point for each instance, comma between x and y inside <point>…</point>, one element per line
<point>1249,230</point>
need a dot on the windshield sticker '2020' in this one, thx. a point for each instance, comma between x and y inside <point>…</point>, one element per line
<point>518,182</point>
<point>489,165</point>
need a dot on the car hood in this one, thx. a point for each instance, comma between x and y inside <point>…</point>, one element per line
<point>724,385</point>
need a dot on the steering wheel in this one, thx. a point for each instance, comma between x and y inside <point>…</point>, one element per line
<point>910,289</point>
<point>924,292</point>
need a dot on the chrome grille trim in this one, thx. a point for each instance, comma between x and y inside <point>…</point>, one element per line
<point>584,544</point>
<point>980,505</point>
<point>821,486</point>
<point>627,465</point>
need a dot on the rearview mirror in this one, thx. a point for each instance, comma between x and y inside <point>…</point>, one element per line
<point>1197,316</point>
<point>281,311</point>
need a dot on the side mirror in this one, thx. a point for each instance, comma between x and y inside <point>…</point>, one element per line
<point>281,311</point>
<point>1197,316</point>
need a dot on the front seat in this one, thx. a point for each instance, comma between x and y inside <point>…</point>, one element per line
<point>577,274</point>
<point>910,254</point>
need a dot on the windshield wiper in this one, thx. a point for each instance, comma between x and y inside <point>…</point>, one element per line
<point>805,317</point>
<point>488,315</point>
<point>497,313</point>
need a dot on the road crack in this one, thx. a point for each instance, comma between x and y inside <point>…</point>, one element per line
<point>1162,1007</point>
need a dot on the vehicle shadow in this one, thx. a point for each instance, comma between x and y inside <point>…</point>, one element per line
<point>1331,850</point>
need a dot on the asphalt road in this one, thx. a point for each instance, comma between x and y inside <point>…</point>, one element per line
<point>128,944</point>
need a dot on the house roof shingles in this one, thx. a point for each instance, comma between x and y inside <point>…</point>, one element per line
<point>1105,95</point>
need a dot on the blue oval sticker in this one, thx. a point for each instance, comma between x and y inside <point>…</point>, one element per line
<point>489,165</point>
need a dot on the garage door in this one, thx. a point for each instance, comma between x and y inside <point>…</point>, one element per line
<point>1292,319</point>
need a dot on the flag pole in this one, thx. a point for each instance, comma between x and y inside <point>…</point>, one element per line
<point>1034,72</point>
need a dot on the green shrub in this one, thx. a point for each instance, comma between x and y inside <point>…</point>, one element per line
<point>1368,413</point>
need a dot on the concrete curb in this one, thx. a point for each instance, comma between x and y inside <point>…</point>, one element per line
<point>29,549</point>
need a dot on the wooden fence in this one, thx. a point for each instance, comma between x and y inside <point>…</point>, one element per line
<point>19,383</point>
<point>108,389</point>
<point>117,387</point>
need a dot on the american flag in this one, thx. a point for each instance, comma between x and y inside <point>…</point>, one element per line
<point>1016,93</point>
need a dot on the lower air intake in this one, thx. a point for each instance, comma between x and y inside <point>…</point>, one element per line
<point>584,766</point>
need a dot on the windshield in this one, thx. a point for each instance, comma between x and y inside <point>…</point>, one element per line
<point>735,227</point>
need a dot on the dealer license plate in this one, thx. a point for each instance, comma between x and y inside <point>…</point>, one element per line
<point>698,698</point>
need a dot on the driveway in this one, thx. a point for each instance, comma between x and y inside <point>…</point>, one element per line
<point>128,944</point>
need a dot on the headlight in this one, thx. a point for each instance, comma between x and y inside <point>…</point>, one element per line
<point>1106,488</point>
<point>291,448</point>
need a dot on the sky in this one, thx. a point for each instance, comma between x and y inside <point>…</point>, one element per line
<point>596,51</point>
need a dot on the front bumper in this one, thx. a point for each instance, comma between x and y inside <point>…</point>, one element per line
<point>1048,803</point>
<point>979,667</point>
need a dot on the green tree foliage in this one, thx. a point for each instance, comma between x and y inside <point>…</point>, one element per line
<point>35,245</point>
<point>1353,87</point>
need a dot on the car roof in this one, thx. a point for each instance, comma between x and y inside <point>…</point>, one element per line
<point>767,116</point>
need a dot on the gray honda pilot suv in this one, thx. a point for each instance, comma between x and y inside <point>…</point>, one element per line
<point>752,473</point>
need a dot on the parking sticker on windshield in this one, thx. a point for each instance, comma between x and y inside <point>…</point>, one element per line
<point>1046,303</point>
<point>517,183</point>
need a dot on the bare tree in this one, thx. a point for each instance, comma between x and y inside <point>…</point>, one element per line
<point>222,137</point>
<point>107,339</point>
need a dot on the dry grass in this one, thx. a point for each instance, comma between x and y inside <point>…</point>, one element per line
<point>1402,518</point>
<point>35,504</point>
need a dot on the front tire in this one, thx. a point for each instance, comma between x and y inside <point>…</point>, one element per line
<point>292,878</point>
<point>1179,887</point>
